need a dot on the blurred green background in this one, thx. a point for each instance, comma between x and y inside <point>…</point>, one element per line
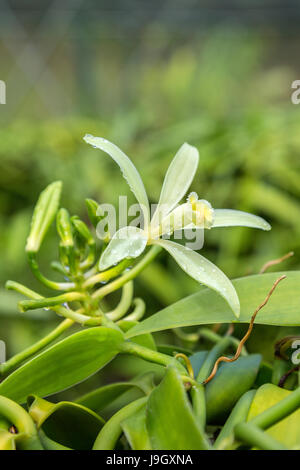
<point>149,76</point>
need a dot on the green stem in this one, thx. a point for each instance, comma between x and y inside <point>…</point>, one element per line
<point>65,312</point>
<point>45,302</point>
<point>27,436</point>
<point>128,276</point>
<point>139,310</point>
<point>199,404</point>
<point>47,282</point>
<point>150,355</point>
<point>16,360</point>
<point>255,437</point>
<point>124,304</point>
<point>106,276</point>
<point>16,286</point>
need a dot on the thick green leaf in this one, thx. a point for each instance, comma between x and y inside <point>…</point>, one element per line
<point>207,307</point>
<point>172,350</point>
<point>238,415</point>
<point>65,423</point>
<point>112,430</point>
<point>66,363</point>
<point>170,422</point>
<point>143,340</point>
<point>134,428</point>
<point>230,382</point>
<point>287,431</point>
<point>103,396</point>
<point>49,444</point>
<point>197,359</point>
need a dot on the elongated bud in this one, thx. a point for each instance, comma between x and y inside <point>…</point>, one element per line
<point>83,230</point>
<point>64,228</point>
<point>94,211</point>
<point>43,215</point>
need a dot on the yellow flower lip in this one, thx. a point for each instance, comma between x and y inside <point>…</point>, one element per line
<point>204,213</point>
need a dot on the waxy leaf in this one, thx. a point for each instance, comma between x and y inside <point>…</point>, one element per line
<point>98,399</point>
<point>143,340</point>
<point>286,431</point>
<point>231,381</point>
<point>238,415</point>
<point>197,359</point>
<point>206,307</point>
<point>68,424</point>
<point>112,430</point>
<point>134,428</point>
<point>66,363</point>
<point>170,422</point>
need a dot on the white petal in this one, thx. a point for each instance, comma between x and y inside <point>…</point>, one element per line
<point>179,218</point>
<point>203,271</point>
<point>128,242</point>
<point>228,217</point>
<point>177,181</point>
<point>128,169</point>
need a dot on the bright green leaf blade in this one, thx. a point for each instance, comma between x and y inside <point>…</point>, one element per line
<point>135,430</point>
<point>66,423</point>
<point>98,399</point>
<point>197,359</point>
<point>146,341</point>
<point>112,430</point>
<point>229,217</point>
<point>287,431</point>
<point>128,242</point>
<point>177,181</point>
<point>66,363</point>
<point>171,424</point>
<point>238,415</point>
<point>49,444</point>
<point>230,382</point>
<point>206,307</point>
<point>203,271</point>
<point>128,169</point>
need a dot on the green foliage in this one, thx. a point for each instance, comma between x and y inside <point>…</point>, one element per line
<point>66,363</point>
<point>206,307</point>
<point>170,421</point>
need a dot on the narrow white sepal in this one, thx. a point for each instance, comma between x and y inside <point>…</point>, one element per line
<point>230,218</point>
<point>203,271</point>
<point>128,242</point>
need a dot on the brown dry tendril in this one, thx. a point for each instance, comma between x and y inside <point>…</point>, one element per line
<point>244,339</point>
<point>275,261</point>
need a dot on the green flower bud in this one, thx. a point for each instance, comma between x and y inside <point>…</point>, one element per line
<point>83,230</point>
<point>43,215</point>
<point>64,228</point>
<point>94,211</point>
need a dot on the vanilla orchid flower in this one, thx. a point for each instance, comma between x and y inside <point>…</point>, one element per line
<point>130,242</point>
